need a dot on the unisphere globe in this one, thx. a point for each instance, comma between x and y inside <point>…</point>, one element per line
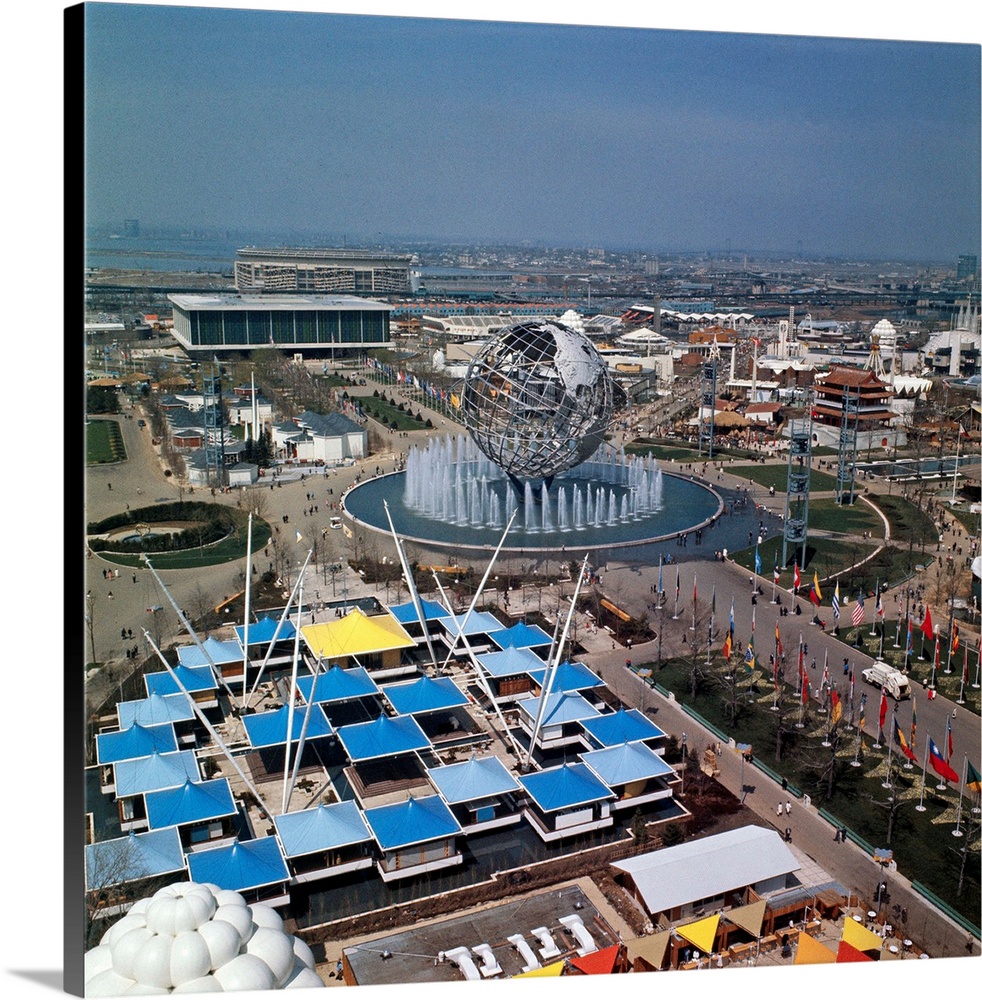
<point>537,399</point>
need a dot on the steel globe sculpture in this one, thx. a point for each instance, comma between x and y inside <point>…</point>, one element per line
<point>537,399</point>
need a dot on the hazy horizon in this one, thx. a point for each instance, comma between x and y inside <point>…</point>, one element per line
<point>398,130</point>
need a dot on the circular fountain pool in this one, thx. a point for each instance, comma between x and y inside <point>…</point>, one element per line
<point>451,496</point>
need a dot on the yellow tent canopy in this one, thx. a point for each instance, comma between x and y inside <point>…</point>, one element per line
<point>812,952</point>
<point>355,635</point>
<point>854,933</point>
<point>748,918</point>
<point>555,969</point>
<point>701,933</point>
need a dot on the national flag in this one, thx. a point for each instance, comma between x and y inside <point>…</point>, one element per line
<point>949,742</point>
<point>299,537</point>
<point>801,658</point>
<point>777,571</point>
<point>973,780</point>
<point>659,575</point>
<point>727,646</point>
<point>859,611</point>
<point>814,596</point>
<point>804,689</point>
<point>816,587</point>
<point>825,676</point>
<point>862,712</point>
<point>835,602</point>
<point>879,603</point>
<point>883,708</point>
<point>778,645</point>
<point>749,658</point>
<point>733,627</point>
<point>755,341</point>
<point>901,741</point>
<point>852,687</point>
<point>913,723</point>
<point>941,767</point>
<point>955,642</point>
<point>797,576</point>
<point>965,668</point>
<point>927,627</point>
<point>678,583</point>
<point>910,640</point>
<point>695,595</point>
<point>757,564</point>
<point>712,609</point>
<point>836,712</point>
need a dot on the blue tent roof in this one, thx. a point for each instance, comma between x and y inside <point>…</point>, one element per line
<point>243,865</point>
<point>137,741</point>
<point>268,729</point>
<point>220,652</point>
<point>193,679</point>
<point>322,829</point>
<point>626,762</point>
<point>382,738</point>
<point>154,711</point>
<point>425,694</point>
<point>264,630</point>
<point>510,662</point>
<point>477,778</point>
<point>406,613</point>
<point>565,786</point>
<point>136,856</point>
<point>569,677</point>
<point>413,822</point>
<point>520,636</point>
<point>621,727</point>
<point>338,685</point>
<point>562,707</point>
<point>159,770</point>
<point>480,622</point>
<point>193,802</point>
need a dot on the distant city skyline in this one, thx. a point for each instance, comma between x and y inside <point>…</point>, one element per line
<point>384,129</point>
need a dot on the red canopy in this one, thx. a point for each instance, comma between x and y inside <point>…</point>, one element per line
<point>597,963</point>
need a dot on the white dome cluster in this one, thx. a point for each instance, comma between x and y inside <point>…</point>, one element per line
<point>197,938</point>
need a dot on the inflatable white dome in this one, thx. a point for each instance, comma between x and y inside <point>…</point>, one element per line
<point>197,938</point>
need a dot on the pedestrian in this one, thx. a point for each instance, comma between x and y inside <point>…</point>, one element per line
<point>843,835</point>
<point>110,595</point>
<point>787,807</point>
<point>780,808</point>
<point>838,835</point>
<point>110,485</point>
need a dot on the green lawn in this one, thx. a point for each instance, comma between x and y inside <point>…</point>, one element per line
<point>826,515</point>
<point>906,520</point>
<point>387,413</point>
<point>777,476</point>
<point>921,841</point>
<point>103,442</point>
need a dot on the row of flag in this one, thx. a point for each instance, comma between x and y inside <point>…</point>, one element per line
<point>409,379</point>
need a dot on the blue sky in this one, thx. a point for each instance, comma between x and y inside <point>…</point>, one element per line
<point>376,127</point>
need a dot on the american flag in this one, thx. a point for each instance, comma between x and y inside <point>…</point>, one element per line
<point>859,611</point>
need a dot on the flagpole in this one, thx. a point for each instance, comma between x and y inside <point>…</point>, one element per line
<point>876,601</point>
<point>941,786</point>
<point>855,762</point>
<point>676,615</point>
<point>957,832</point>
<point>920,807</point>
<point>893,723</point>
<point>951,626</point>
<point>961,689</point>
<point>978,666</point>
<point>852,695</point>
<point>695,598</point>
<point>934,662</point>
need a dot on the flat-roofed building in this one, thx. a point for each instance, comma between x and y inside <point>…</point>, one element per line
<point>318,269</point>
<point>224,321</point>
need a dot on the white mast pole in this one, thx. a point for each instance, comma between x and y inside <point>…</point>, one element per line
<point>552,665</point>
<point>183,620</point>
<point>411,584</point>
<point>293,689</point>
<point>308,711</point>
<point>202,718</point>
<point>957,832</point>
<point>276,632</point>
<point>480,589</point>
<point>245,619</point>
